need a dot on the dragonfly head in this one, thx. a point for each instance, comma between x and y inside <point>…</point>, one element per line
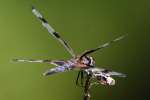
<point>88,60</point>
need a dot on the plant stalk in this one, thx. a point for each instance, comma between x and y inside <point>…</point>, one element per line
<point>87,94</point>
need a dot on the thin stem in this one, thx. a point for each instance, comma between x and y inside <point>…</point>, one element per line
<point>87,87</point>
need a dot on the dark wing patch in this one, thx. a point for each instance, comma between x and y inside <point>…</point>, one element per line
<point>56,35</point>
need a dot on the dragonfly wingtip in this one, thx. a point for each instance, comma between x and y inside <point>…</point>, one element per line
<point>123,75</point>
<point>14,60</point>
<point>45,74</point>
<point>125,35</point>
<point>33,7</point>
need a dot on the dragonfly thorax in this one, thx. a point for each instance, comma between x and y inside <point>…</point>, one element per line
<point>88,60</point>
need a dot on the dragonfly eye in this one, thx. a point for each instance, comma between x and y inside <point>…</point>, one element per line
<point>85,60</point>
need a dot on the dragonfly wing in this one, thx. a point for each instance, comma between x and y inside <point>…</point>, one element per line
<point>52,31</point>
<point>58,62</point>
<point>99,71</point>
<point>103,46</point>
<point>54,62</point>
<point>32,60</point>
<point>55,70</point>
<point>113,73</point>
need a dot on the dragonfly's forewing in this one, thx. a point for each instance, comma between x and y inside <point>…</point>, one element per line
<point>52,31</point>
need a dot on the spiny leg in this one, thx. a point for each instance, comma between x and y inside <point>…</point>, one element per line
<point>103,46</point>
<point>81,77</point>
<point>52,31</point>
<point>77,80</point>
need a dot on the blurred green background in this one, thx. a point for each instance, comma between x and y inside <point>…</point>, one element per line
<point>84,24</point>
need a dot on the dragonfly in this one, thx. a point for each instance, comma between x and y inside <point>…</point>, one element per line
<point>82,62</point>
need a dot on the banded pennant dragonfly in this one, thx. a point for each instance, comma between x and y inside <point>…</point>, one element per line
<point>83,62</point>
